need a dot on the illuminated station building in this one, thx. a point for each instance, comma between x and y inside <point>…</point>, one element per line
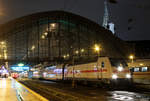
<point>57,37</point>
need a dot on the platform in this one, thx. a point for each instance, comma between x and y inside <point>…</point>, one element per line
<point>11,90</point>
<point>7,90</point>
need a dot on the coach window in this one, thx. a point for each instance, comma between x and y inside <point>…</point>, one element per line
<point>144,69</point>
<point>102,65</point>
<point>136,69</point>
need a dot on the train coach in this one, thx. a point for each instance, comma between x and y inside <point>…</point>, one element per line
<point>141,75</point>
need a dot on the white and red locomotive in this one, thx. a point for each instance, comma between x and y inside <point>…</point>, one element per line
<point>102,69</point>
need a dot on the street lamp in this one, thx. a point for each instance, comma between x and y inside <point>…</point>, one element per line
<point>46,33</point>
<point>2,43</point>
<point>97,48</point>
<point>131,57</point>
<point>64,56</point>
<point>53,25</point>
<point>33,47</point>
<point>141,64</point>
<point>77,52</point>
<point>82,50</point>
<point>67,55</point>
<point>43,37</point>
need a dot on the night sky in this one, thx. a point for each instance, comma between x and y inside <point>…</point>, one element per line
<point>131,17</point>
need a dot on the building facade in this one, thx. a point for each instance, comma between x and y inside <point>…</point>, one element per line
<point>57,36</point>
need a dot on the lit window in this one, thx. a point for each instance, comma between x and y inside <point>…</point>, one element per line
<point>136,69</point>
<point>144,69</point>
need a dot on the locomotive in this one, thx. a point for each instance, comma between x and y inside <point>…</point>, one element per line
<point>104,69</point>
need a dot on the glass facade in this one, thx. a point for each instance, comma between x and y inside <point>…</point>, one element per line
<point>57,36</point>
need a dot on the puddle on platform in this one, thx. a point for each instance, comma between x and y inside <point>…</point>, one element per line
<point>127,96</point>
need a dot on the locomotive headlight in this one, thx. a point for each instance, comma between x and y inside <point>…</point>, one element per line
<point>120,68</point>
<point>114,76</point>
<point>128,76</point>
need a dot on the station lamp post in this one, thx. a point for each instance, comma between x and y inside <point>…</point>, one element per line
<point>97,49</point>
<point>131,57</point>
<point>33,47</point>
<point>82,50</point>
<point>73,71</point>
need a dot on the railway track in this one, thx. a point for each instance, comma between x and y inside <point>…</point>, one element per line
<point>62,92</point>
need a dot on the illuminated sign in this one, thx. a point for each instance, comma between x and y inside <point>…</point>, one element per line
<point>20,64</point>
<point>17,68</point>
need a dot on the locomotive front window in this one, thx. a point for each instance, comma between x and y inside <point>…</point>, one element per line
<point>136,69</point>
<point>102,65</point>
<point>144,69</point>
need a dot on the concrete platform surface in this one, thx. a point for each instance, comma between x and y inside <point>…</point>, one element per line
<point>11,90</point>
<point>7,90</point>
